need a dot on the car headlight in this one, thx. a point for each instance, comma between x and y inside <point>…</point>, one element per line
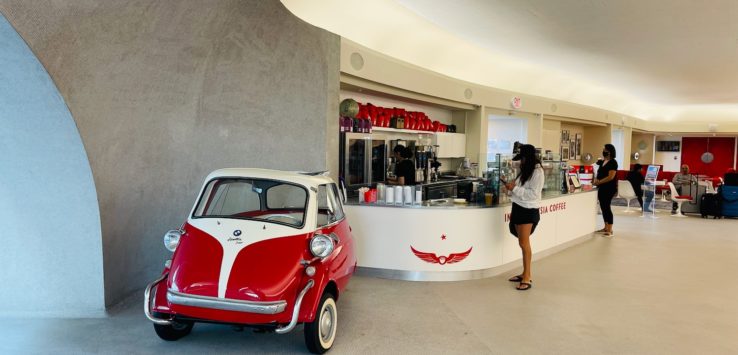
<point>321,246</point>
<point>171,239</point>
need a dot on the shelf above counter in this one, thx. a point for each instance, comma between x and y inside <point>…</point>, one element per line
<point>410,131</point>
<point>396,130</point>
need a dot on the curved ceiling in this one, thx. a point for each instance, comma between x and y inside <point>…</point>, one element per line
<point>657,60</point>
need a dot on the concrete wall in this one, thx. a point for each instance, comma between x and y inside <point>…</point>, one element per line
<point>51,246</point>
<point>165,91</point>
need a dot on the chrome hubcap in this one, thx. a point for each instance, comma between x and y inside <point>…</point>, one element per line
<point>326,323</point>
<point>179,326</point>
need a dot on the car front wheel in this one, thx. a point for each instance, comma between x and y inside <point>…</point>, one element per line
<point>173,331</point>
<point>321,332</point>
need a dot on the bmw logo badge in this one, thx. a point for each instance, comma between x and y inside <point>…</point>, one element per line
<point>236,232</point>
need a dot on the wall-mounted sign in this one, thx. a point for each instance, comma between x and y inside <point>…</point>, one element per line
<point>516,102</point>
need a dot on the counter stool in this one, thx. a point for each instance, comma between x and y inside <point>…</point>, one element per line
<point>675,197</point>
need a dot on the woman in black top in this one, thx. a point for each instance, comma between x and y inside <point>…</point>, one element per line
<point>607,186</point>
<point>636,180</point>
<point>405,167</point>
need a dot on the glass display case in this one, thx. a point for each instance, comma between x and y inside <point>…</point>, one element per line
<point>555,172</point>
<point>504,168</point>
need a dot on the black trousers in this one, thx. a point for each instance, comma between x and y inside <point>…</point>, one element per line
<point>605,198</point>
<point>674,205</point>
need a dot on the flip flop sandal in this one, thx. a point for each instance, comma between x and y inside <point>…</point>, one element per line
<point>516,278</point>
<point>601,231</point>
<point>528,285</point>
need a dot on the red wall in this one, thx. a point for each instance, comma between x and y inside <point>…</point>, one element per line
<point>723,148</point>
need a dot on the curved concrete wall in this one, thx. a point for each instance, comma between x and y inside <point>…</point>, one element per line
<point>165,91</point>
<point>51,245</point>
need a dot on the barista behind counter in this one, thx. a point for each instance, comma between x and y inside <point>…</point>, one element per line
<point>405,167</point>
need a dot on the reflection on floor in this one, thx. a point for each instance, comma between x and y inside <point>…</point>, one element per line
<point>663,286</point>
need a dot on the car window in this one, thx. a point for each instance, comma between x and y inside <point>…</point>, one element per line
<point>231,197</point>
<point>338,207</point>
<point>255,199</point>
<point>329,208</point>
<point>285,196</point>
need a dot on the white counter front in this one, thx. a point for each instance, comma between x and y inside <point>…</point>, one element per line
<point>445,244</point>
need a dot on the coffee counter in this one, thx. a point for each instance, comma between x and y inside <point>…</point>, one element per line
<point>448,242</point>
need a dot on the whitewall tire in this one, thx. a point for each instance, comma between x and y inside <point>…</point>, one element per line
<point>321,332</point>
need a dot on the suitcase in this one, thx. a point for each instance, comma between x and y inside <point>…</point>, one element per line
<point>710,205</point>
<point>729,196</point>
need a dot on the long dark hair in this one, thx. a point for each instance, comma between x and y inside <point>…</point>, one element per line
<point>527,166</point>
<point>610,148</point>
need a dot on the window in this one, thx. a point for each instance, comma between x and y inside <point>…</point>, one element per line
<point>329,206</point>
<point>502,133</point>
<point>253,199</point>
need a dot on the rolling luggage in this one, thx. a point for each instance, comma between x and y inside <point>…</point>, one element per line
<point>729,196</point>
<point>710,205</point>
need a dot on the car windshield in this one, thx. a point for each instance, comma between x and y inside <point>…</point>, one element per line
<point>256,199</point>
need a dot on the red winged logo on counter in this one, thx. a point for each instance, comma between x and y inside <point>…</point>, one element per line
<point>434,259</point>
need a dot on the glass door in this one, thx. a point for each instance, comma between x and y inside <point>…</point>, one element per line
<point>378,160</point>
<point>356,160</point>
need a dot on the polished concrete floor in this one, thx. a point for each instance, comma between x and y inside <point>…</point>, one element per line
<point>660,286</point>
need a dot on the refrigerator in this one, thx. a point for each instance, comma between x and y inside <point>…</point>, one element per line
<point>363,159</point>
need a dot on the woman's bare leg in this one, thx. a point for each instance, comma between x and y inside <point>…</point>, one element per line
<point>523,231</point>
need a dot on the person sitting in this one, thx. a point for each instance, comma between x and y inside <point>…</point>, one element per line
<point>682,178</point>
<point>636,180</point>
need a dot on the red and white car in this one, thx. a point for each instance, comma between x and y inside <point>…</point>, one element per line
<point>261,248</point>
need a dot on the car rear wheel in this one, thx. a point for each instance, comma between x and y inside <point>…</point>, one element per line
<point>321,332</point>
<point>173,331</point>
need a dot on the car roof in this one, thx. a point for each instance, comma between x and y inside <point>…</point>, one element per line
<point>297,177</point>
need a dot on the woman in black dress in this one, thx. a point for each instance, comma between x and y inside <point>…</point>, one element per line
<point>607,186</point>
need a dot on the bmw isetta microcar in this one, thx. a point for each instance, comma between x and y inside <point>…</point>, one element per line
<point>261,248</point>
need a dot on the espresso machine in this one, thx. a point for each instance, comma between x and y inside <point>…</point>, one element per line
<point>425,162</point>
<point>434,163</point>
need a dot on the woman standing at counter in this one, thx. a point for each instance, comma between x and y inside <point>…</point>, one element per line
<point>607,186</point>
<point>526,200</point>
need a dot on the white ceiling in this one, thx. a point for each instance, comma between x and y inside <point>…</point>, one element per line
<point>654,59</point>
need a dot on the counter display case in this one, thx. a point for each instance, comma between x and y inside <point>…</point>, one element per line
<point>504,168</point>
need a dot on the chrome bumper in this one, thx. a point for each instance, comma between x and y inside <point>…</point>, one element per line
<point>296,310</point>
<point>147,302</point>
<point>225,304</point>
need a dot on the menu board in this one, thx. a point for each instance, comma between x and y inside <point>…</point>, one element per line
<point>652,172</point>
<point>667,146</point>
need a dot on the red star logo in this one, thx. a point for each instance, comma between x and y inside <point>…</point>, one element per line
<point>443,237</point>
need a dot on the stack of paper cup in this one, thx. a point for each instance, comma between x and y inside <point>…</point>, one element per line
<point>390,195</point>
<point>362,191</point>
<point>398,195</point>
<point>408,192</point>
<point>381,189</point>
